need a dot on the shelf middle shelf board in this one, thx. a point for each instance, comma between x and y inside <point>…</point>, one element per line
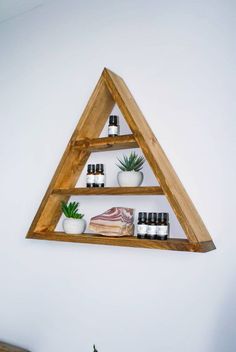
<point>107,143</point>
<point>109,191</point>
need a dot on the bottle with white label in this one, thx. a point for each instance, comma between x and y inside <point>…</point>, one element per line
<point>90,177</point>
<point>142,225</point>
<point>99,177</point>
<point>152,226</point>
<point>113,127</point>
<point>163,226</point>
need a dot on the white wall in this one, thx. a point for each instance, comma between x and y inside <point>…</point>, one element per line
<point>177,58</point>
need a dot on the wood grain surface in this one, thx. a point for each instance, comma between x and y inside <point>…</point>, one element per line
<point>170,244</point>
<point>71,165</point>
<point>109,90</point>
<point>106,143</point>
<point>178,198</point>
<point>5,347</point>
<point>110,191</point>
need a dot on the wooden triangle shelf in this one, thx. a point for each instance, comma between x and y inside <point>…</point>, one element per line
<point>109,90</point>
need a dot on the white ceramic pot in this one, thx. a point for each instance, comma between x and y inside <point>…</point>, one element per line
<point>130,178</point>
<point>74,226</point>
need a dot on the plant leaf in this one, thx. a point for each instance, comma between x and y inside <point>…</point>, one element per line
<point>131,162</point>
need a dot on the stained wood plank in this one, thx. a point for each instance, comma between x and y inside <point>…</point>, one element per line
<point>6,347</point>
<point>179,200</point>
<point>110,191</point>
<point>110,89</point>
<point>171,244</point>
<point>70,167</point>
<point>106,143</point>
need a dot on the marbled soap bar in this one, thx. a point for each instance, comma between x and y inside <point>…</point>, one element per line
<point>116,221</point>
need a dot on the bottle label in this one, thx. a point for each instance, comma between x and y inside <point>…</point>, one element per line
<point>152,230</point>
<point>99,179</point>
<point>162,230</point>
<point>113,130</point>
<point>90,179</point>
<point>142,229</point>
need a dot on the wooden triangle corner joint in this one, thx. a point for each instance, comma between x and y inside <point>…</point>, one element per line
<point>109,90</point>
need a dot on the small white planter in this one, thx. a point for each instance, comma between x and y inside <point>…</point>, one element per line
<point>130,178</point>
<point>74,226</point>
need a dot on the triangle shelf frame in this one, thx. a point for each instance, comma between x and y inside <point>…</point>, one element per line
<point>109,90</point>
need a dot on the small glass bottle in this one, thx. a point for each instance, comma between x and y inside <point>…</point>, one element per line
<point>113,127</point>
<point>99,177</point>
<point>90,175</point>
<point>163,226</point>
<point>152,226</point>
<point>142,225</point>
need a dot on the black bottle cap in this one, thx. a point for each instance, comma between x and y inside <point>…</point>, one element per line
<point>152,217</point>
<point>99,167</point>
<point>142,216</point>
<point>91,168</point>
<point>163,217</point>
<point>113,119</point>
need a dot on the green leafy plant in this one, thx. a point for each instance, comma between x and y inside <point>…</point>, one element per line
<point>71,210</point>
<point>133,162</point>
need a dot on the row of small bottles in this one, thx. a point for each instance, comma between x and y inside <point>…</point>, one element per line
<point>95,175</point>
<point>153,226</point>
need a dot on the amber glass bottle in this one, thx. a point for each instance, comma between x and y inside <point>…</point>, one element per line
<point>99,177</point>
<point>142,225</point>
<point>163,226</point>
<point>90,177</point>
<point>152,226</point>
<point>113,127</point>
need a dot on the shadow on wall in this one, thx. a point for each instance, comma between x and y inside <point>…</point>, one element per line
<point>225,334</point>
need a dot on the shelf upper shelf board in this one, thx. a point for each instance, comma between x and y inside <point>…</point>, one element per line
<point>107,143</point>
<point>170,244</point>
<point>109,191</point>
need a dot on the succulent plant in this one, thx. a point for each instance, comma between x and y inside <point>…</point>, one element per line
<point>71,210</point>
<point>133,162</point>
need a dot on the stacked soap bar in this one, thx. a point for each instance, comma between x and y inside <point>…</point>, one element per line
<point>116,221</point>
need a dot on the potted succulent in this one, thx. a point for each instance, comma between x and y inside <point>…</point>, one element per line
<point>130,174</point>
<point>74,223</point>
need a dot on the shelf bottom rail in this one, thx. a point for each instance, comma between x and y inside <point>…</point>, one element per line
<point>175,244</point>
